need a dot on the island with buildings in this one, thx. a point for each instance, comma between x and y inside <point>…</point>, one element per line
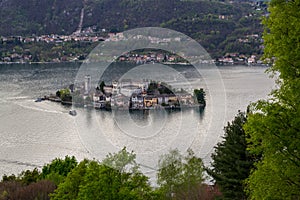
<point>128,94</point>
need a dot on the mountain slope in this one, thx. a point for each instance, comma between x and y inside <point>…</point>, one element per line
<point>62,16</point>
<point>212,23</point>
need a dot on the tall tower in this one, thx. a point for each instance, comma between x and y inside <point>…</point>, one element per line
<point>87,84</point>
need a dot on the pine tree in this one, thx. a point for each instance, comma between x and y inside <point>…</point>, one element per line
<point>231,161</point>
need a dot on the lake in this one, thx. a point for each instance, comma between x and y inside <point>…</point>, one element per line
<point>32,134</point>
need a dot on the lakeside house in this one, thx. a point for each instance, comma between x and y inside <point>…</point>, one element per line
<point>137,101</point>
<point>150,101</point>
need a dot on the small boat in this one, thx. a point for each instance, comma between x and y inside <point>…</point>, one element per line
<point>73,112</point>
<point>38,100</point>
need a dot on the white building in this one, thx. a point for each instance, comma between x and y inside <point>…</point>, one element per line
<point>115,89</point>
<point>87,84</point>
<point>137,101</point>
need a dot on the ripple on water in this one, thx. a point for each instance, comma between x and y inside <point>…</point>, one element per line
<point>37,132</point>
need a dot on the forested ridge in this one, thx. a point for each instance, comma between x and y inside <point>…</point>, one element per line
<point>62,17</point>
<point>216,25</point>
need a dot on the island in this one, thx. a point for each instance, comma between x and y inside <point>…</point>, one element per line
<point>129,94</point>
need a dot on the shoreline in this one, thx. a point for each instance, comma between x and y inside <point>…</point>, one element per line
<point>110,108</point>
<point>218,64</point>
<point>32,63</point>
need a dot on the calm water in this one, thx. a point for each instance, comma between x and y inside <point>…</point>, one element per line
<point>32,134</point>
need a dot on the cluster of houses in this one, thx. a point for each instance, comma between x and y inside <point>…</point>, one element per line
<point>235,58</point>
<point>151,57</point>
<point>55,38</point>
<point>154,57</point>
<point>139,58</point>
<point>26,55</point>
<point>128,94</point>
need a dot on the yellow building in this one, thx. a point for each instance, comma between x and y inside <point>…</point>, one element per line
<point>150,101</point>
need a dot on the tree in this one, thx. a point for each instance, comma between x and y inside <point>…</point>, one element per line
<point>178,176</point>
<point>65,95</point>
<point>102,84</point>
<point>104,182</point>
<point>200,96</point>
<point>170,172</point>
<point>274,134</point>
<point>58,169</point>
<point>27,177</point>
<point>274,125</point>
<point>69,189</point>
<point>11,177</point>
<point>57,93</point>
<point>116,177</point>
<point>122,161</point>
<point>231,161</point>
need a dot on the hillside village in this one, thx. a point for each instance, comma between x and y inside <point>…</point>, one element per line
<point>232,33</point>
<point>61,42</point>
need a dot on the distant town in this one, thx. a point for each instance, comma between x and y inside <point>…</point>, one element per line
<point>128,94</point>
<point>72,48</point>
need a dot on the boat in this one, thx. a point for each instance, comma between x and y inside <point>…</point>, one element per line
<point>73,112</point>
<point>38,100</point>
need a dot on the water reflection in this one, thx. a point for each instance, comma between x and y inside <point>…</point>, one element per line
<point>30,133</point>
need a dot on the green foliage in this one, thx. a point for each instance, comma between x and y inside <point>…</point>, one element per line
<point>117,177</point>
<point>58,169</point>
<point>48,52</point>
<point>69,189</point>
<point>200,96</point>
<point>164,104</point>
<point>281,38</point>
<point>274,133</point>
<point>231,161</point>
<point>104,182</point>
<point>122,161</point>
<point>27,185</point>
<point>46,17</point>
<point>198,19</point>
<point>159,88</point>
<point>179,175</point>
<point>57,93</point>
<point>102,84</point>
<point>273,125</point>
<point>152,88</point>
<point>65,95</point>
<point>9,178</point>
<point>164,88</point>
<point>27,177</point>
<point>170,170</point>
